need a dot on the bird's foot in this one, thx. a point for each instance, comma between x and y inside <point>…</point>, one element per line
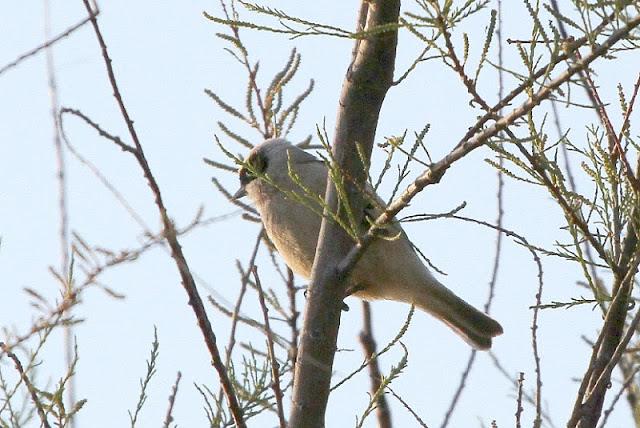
<point>353,290</point>
<point>349,292</point>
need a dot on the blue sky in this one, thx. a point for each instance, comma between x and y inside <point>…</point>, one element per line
<point>165,54</point>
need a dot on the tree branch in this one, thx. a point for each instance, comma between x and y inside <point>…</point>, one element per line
<point>170,233</point>
<point>368,343</point>
<point>368,78</point>
<point>433,174</point>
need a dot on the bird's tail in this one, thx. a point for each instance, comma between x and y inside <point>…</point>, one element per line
<point>475,327</point>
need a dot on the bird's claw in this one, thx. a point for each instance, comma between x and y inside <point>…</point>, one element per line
<point>353,290</point>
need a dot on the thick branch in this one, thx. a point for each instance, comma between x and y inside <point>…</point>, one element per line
<point>368,78</point>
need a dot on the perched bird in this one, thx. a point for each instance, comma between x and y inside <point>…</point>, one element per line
<point>285,181</point>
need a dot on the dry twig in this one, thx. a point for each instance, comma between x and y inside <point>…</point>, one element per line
<point>188,281</point>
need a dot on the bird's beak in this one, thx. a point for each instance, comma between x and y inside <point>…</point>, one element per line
<point>241,193</point>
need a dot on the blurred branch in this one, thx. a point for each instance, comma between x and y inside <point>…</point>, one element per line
<point>62,193</point>
<point>172,400</point>
<point>369,347</point>
<point>93,13</point>
<point>275,366</point>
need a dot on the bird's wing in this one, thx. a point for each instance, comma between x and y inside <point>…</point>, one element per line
<point>374,207</point>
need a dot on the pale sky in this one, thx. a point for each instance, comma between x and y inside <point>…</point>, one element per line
<point>165,54</point>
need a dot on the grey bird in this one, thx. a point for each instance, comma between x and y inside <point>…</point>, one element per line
<point>285,182</point>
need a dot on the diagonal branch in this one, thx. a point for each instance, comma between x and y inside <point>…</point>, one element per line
<point>466,145</point>
<point>170,234</point>
<point>32,390</point>
<point>49,42</point>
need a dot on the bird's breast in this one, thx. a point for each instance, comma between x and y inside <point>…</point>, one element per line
<point>293,228</point>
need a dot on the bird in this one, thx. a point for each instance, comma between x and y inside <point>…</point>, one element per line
<point>287,184</point>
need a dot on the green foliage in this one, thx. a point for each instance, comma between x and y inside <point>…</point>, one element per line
<point>253,388</point>
<point>370,358</point>
<point>385,382</point>
<point>144,382</point>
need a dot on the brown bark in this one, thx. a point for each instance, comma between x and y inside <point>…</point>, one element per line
<point>368,78</point>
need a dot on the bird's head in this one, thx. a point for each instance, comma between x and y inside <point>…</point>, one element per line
<point>263,159</point>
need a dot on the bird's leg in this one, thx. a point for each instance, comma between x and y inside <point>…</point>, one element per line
<point>352,289</point>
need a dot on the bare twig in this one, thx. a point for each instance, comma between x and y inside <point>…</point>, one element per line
<point>461,385</point>
<point>537,423</point>
<point>172,400</point>
<point>48,43</point>
<point>243,289</point>
<point>62,195</point>
<point>514,382</point>
<point>275,366</point>
<point>114,139</point>
<point>409,409</point>
<point>519,407</point>
<point>188,281</point>
<point>625,385</point>
<point>368,343</point>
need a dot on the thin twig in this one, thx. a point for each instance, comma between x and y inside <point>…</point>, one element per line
<point>461,385</point>
<point>172,400</point>
<point>48,43</point>
<point>409,409</point>
<point>114,139</point>
<point>615,146</point>
<point>519,407</point>
<point>368,343</point>
<point>627,114</point>
<point>626,384</point>
<point>275,366</point>
<point>236,309</point>
<point>243,289</point>
<point>62,196</point>
<point>527,397</point>
<point>537,423</point>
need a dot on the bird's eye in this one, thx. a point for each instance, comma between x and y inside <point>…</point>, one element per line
<point>255,165</point>
<point>245,176</point>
